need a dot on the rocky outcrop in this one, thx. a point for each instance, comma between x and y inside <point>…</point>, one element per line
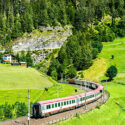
<point>37,58</point>
<point>44,38</point>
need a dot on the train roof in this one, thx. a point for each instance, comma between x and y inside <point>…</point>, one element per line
<point>100,87</point>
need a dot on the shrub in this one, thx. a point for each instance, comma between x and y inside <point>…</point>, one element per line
<point>94,52</point>
<point>97,44</point>
<point>111,72</point>
<point>72,72</point>
<point>54,74</point>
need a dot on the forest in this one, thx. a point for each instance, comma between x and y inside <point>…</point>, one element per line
<point>93,21</point>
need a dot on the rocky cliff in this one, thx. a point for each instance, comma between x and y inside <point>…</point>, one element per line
<point>44,38</point>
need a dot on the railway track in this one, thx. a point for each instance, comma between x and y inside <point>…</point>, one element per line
<point>58,117</point>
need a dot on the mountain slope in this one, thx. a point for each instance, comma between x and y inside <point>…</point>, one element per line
<point>44,38</point>
<point>110,113</point>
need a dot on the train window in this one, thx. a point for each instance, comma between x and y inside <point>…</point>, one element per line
<point>55,104</point>
<point>48,107</point>
<point>83,98</point>
<point>80,99</point>
<point>73,101</point>
<point>65,103</point>
<point>59,104</point>
<point>70,102</point>
<point>52,105</point>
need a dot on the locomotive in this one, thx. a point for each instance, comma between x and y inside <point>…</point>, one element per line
<point>53,106</point>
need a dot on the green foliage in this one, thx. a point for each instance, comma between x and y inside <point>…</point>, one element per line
<point>111,72</point>
<point>29,59</point>
<point>105,33</point>
<point>21,109</point>
<point>98,45</point>
<point>74,55</point>
<point>53,65</point>
<point>54,74</point>
<point>81,75</point>
<point>23,56</point>
<point>1,57</point>
<point>8,111</point>
<point>94,52</point>
<point>9,51</point>
<point>72,72</point>
<point>77,51</point>
<point>20,16</point>
<point>116,88</point>
<point>17,57</point>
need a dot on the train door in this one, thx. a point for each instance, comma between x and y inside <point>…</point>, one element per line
<point>77,101</point>
<point>36,110</point>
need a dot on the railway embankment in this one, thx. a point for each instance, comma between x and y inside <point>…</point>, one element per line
<point>60,116</point>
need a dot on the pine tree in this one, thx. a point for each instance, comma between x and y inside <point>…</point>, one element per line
<point>23,56</point>
<point>29,59</point>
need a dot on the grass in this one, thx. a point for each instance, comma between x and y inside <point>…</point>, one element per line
<point>113,112</point>
<point>16,80</point>
<point>21,95</point>
<point>95,71</point>
<point>18,77</point>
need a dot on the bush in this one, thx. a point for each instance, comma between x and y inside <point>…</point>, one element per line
<point>72,72</point>
<point>111,72</point>
<point>94,52</point>
<point>105,33</point>
<point>8,111</point>
<point>97,44</point>
<point>54,74</point>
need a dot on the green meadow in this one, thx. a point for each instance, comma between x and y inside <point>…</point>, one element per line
<point>16,80</point>
<point>113,112</point>
<point>17,77</point>
<point>21,95</point>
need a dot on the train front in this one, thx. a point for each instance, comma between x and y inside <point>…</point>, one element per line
<point>36,110</point>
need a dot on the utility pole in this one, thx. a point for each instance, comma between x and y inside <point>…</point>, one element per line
<point>106,86</point>
<point>28,107</point>
<point>81,85</point>
<point>85,94</point>
<point>103,91</point>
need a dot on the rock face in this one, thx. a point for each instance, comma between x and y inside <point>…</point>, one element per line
<point>37,58</point>
<point>44,38</point>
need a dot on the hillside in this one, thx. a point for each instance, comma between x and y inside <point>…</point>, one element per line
<point>43,38</point>
<point>110,113</point>
<point>16,80</point>
<point>18,77</point>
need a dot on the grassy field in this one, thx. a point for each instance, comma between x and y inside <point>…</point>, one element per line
<point>21,95</point>
<point>110,113</point>
<point>95,71</point>
<point>15,82</point>
<point>17,77</point>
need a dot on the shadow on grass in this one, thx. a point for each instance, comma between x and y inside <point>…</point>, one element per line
<point>107,80</point>
<point>121,83</point>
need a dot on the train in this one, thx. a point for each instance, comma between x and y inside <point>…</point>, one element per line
<point>53,106</point>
